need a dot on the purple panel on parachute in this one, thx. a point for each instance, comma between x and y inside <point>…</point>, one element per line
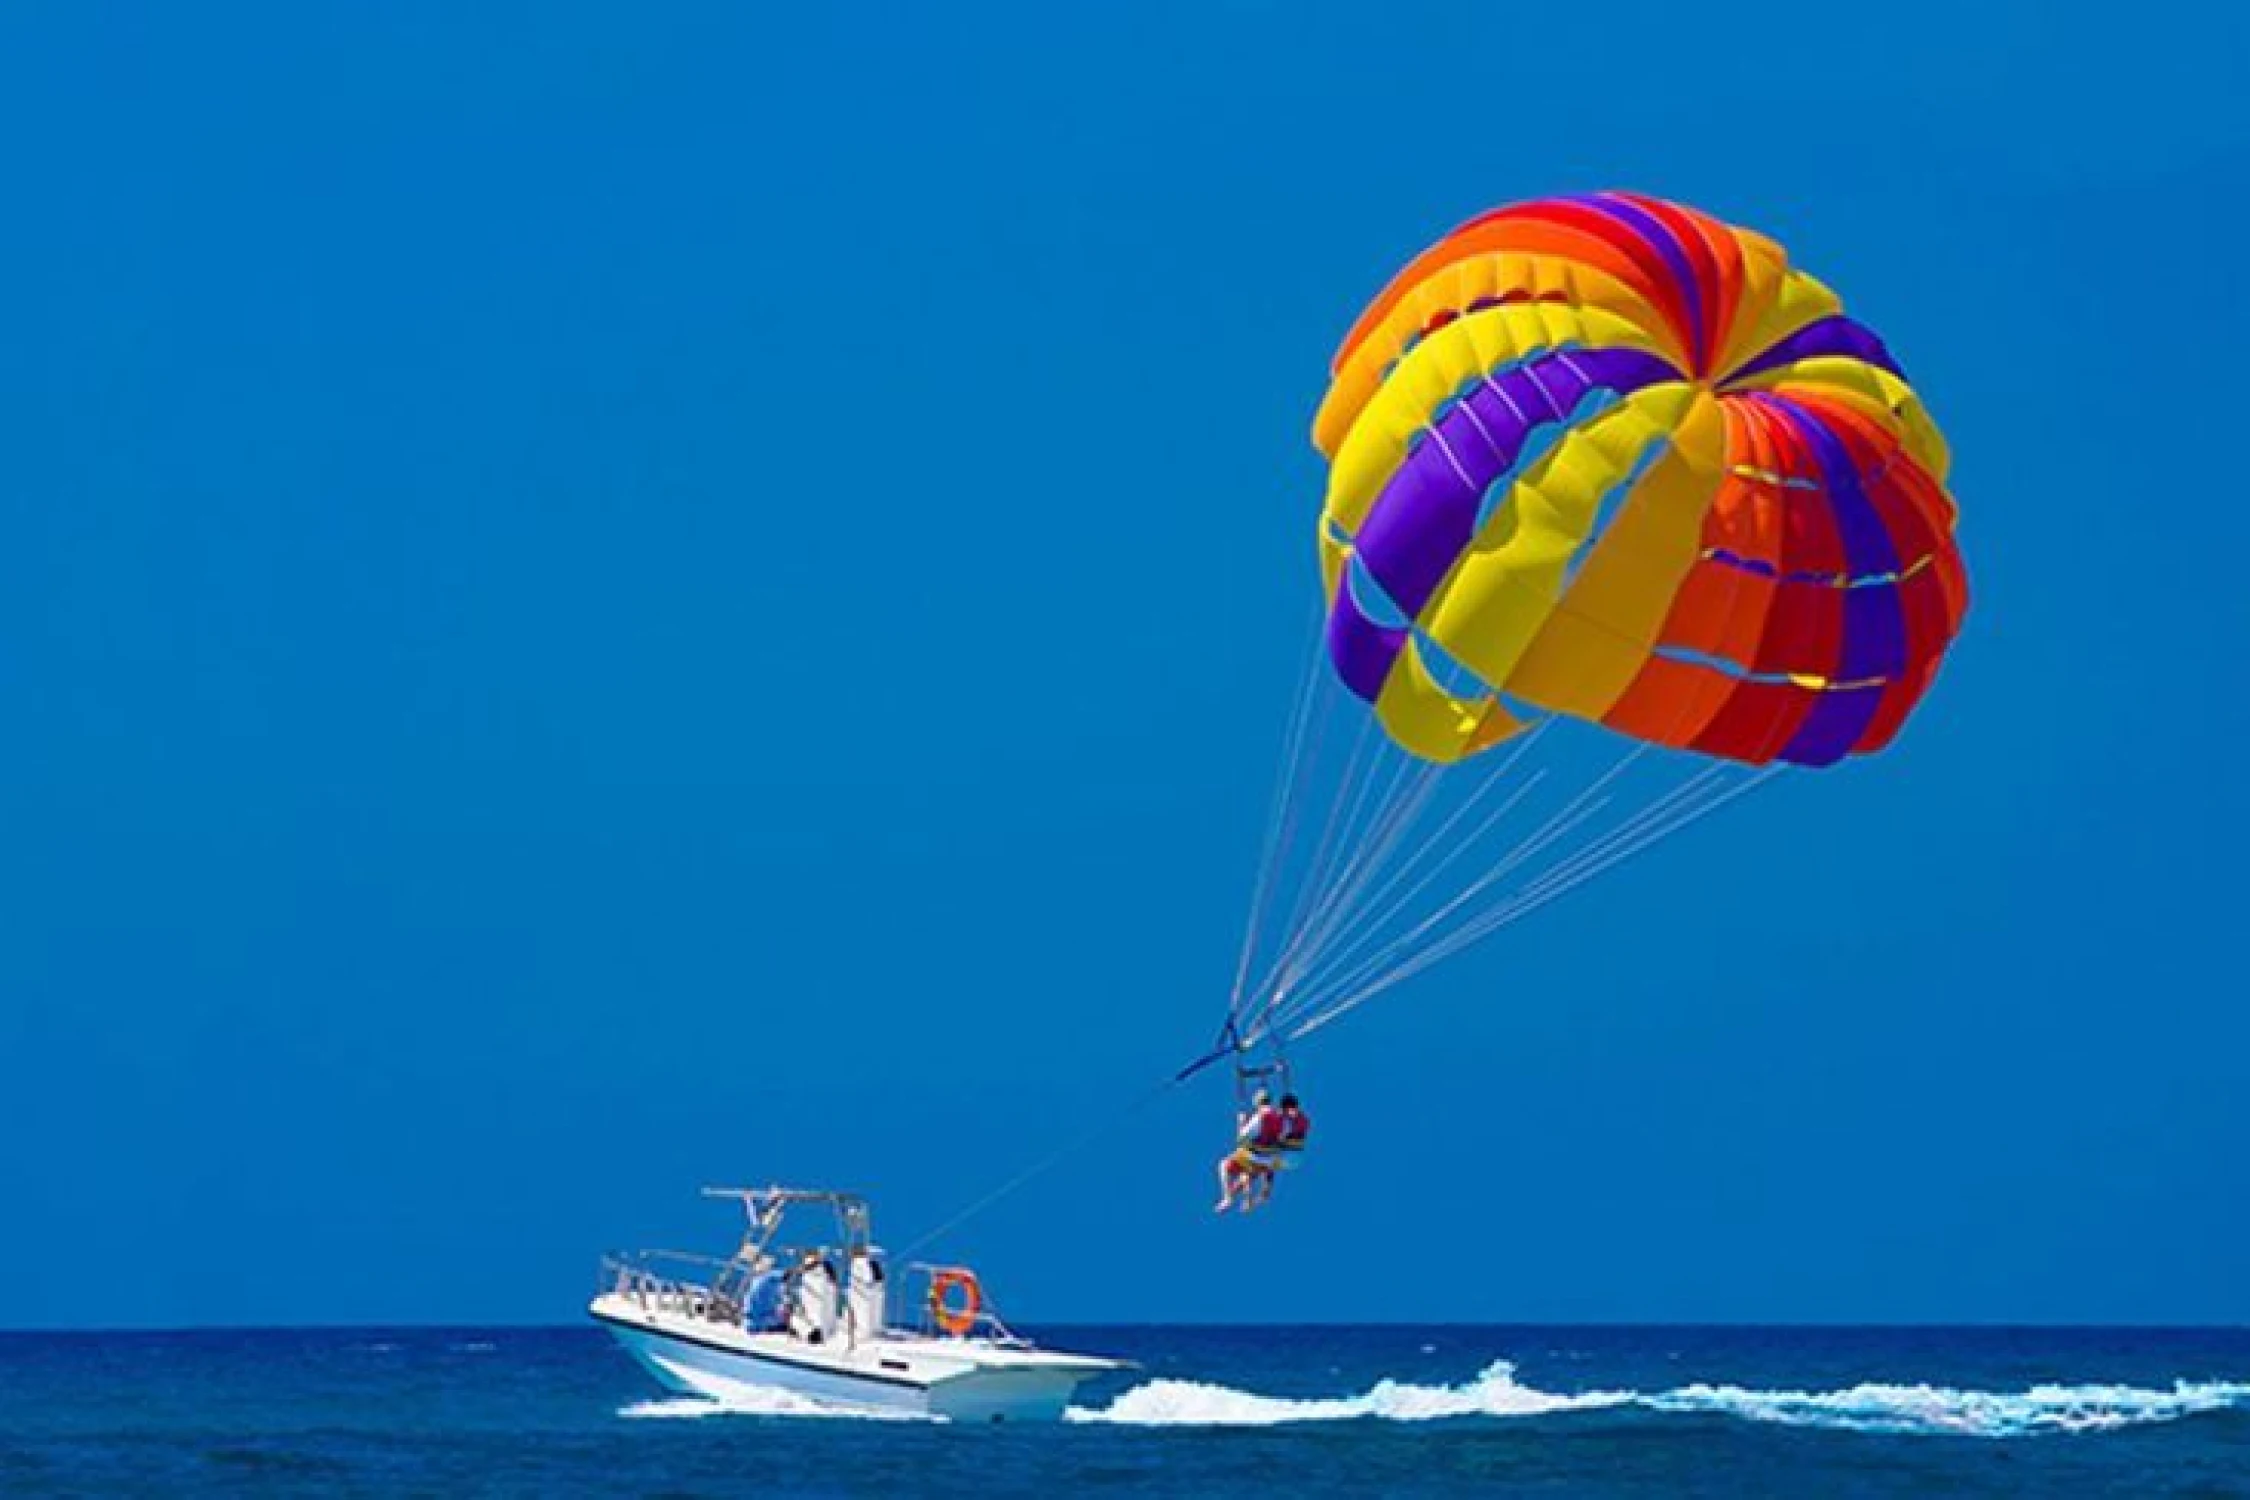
<point>1837,720</point>
<point>1874,633</point>
<point>1874,627</point>
<point>1830,335</point>
<point>1362,651</point>
<point>1426,516</point>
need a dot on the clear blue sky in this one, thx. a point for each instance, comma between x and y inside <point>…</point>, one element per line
<point>521,533</point>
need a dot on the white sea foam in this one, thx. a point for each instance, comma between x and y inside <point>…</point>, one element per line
<point>1942,1409</point>
<point>753,1401</point>
<point>1188,1403</point>
<point>1915,1410</point>
<point>1903,1409</point>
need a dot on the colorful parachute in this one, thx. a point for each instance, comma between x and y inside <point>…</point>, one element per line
<point>1608,457</point>
<point>1612,483</point>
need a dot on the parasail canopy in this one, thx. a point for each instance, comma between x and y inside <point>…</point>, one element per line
<point>1620,496</point>
<point>1609,458</point>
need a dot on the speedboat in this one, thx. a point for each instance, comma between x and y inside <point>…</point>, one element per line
<point>814,1320</point>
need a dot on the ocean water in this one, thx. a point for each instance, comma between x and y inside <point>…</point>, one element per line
<point>1288,1413</point>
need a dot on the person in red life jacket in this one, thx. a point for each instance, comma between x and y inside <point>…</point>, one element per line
<point>1257,1136</point>
<point>1292,1127</point>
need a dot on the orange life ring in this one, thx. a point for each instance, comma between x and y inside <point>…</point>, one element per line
<point>956,1318</point>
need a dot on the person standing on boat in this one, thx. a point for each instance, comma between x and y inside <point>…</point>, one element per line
<point>765,1307</point>
<point>814,1317</point>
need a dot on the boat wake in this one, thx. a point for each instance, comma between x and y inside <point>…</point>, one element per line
<point>1905,1410</point>
<point>1914,1410</point>
<point>1188,1403</point>
<point>756,1401</point>
<point>1941,1409</point>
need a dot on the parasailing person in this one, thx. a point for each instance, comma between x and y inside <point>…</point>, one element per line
<point>1249,1165</point>
<point>1292,1128</point>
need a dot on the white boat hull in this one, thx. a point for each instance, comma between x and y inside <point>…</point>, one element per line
<point>961,1380</point>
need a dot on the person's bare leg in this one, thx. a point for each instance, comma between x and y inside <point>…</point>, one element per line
<point>1226,1184</point>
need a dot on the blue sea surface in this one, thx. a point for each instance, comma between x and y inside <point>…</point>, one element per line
<point>1281,1412</point>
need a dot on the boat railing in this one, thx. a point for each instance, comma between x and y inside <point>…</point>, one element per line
<point>716,1290</point>
<point>672,1281</point>
<point>984,1320</point>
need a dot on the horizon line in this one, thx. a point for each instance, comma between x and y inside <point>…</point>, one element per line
<point>1689,1325</point>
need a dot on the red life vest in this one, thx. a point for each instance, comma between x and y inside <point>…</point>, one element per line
<point>1295,1126</point>
<point>1268,1129</point>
